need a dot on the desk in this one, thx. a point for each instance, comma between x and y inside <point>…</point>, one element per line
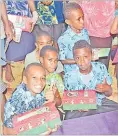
<point>104,123</point>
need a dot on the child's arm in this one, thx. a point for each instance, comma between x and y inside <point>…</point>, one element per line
<point>104,88</point>
<point>53,95</point>
<point>68,61</point>
<point>8,74</point>
<point>31,5</point>
<point>114,27</point>
<point>8,131</point>
<point>4,17</point>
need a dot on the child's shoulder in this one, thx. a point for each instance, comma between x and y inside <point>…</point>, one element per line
<point>99,66</point>
<point>31,53</point>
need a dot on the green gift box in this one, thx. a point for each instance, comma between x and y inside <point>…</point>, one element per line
<point>37,121</point>
<point>80,99</point>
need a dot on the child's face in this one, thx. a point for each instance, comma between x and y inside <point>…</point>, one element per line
<point>83,59</point>
<point>46,2</point>
<point>43,41</point>
<point>35,80</point>
<point>116,4</point>
<point>76,20</point>
<point>49,61</point>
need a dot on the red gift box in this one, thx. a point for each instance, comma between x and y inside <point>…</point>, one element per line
<point>80,99</point>
<point>37,121</point>
<point>22,22</point>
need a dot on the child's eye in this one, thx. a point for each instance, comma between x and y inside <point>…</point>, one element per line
<point>43,78</point>
<point>50,60</point>
<point>77,58</point>
<point>33,77</point>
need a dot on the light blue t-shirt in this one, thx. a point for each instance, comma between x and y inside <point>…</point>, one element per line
<point>66,42</point>
<point>72,79</point>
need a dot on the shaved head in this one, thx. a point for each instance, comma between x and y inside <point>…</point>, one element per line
<point>69,7</point>
<point>26,71</point>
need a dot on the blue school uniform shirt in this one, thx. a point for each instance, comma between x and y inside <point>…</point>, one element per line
<point>66,42</point>
<point>18,7</point>
<point>72,79</point>
<point>49,15</point>
<point>21,101</point>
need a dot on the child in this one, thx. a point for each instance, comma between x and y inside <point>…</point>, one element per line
<point>42,39</point>
<point>51,17</point>
<point>17,51</point>
<point>89,75</point>
<point>114,30</point>
<point>27,96</point>
<point>74,17</point>
<point>49,59</point>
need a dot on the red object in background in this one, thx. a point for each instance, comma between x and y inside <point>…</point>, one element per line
<point>22,22</point>
<point>35,118</point>
<point>115,60</point>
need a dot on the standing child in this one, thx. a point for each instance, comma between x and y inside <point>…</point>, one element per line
<point>28,95</point>
<point>51,17</point>
<point>74,17</point>
<point>89,76</point>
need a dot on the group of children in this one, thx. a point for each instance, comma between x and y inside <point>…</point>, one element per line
<point>43,79</point>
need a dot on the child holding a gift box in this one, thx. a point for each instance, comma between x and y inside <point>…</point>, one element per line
<point>16,52</point>
<point>89,75</point>
<point>27,96</point>
<point>74,17</point>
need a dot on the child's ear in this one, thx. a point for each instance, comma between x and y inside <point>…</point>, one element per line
<point>36,45</point>
<point>41,60</point>
<point>24,79</point>
<point>68,22</point>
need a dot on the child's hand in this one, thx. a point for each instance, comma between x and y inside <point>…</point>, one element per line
<point>50,95</point>
<point>104,87</point>
<point>9,77</point>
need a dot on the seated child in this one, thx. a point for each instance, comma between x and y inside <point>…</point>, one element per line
<point>42,39</point>
<point>74,17</point>
<point>49,59</point>
<point>28,95</point>
<point>89,75</point>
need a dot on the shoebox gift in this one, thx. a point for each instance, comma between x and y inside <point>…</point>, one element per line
<point>79,99</point>
<point>37,121</point>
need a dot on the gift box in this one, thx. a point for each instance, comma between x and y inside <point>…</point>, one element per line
<point>22,22</point>
<point>101,52</point>
<point>80,99</point>
<point>37,121</point>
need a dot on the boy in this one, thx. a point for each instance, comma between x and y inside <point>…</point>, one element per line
<point>89,75</point>
<point>27,96</point>
<point>49,59</point>
<point>74,17</point>
<point>42,39</point>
